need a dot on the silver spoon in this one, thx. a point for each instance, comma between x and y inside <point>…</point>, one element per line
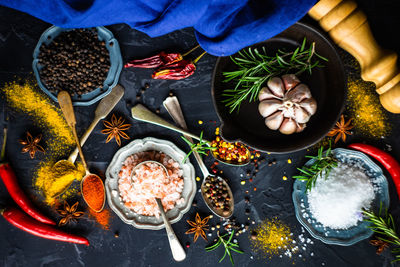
<point>178,253</point>
<point>173,107</point>
<point>140,112</point>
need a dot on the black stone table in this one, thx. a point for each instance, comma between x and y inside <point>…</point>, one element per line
<point>19,33</point>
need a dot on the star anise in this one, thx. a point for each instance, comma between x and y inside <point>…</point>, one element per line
<point>341,129</point>
<point>199,227</point>
<point>115,129</point>
<point>31,144</point>
<point>69,213</point>
<point>381,245</point>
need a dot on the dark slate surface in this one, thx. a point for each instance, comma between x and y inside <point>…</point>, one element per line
<point>18,36</point>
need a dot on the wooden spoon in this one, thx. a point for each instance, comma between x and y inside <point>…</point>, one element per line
<point>64,99</point>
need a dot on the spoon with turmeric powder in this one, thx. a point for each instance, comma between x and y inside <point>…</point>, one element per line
<point>92,186</point>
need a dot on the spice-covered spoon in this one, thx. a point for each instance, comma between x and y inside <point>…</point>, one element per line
<point>65,167</point>
<point>97,201</point>
<point>178,253</point>
<point>173,107</point>
<point>141,113</point>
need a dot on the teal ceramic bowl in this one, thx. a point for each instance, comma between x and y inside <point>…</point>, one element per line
<point>356,233</point>
<point>112,76</point>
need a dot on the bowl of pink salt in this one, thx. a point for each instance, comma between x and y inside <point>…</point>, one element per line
<point>133,182</point>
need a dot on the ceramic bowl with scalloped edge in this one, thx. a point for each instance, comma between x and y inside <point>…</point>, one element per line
<point>353,234</point>
<point>111,183</point>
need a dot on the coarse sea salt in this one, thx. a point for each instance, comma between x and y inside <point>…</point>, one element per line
<point>338,200</point>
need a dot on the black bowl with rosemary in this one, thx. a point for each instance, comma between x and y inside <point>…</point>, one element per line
<point>239,113</point>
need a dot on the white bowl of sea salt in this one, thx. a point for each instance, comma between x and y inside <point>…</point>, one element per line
<point>331,211</point>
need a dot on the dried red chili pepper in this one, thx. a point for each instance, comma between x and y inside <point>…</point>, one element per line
<point>10,181</point>
<point>158,60</point>
<point>390,163</point>
<point>21,220</point>
<point>177,71</point>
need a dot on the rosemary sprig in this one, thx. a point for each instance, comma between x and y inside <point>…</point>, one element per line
<point>256,68</point>
<point>385,228</point>
<point>201,147</point>
<point>228,245</point>
<point>323,164</point>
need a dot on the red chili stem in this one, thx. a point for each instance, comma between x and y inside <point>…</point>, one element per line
<point>10,181</point>
<point>19,219</point>
<point>389,162</point>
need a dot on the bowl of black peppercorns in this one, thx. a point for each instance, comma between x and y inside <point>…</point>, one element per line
<point>84,62</point>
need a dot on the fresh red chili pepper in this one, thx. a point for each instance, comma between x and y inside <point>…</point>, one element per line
<point>158,60</point>
<point>21,220</point>
<point>390,163</point>
<point>176,71</point>
<point>10,181</point>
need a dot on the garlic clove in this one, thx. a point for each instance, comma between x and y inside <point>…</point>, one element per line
<point>269,106</point>
<point>276,86</point>
<point>310,105</point>
<point>265,93</point>
<point>299,93</point>
<point>290,81</point>
<point>288,126</point>
<point>301,115</point>
<point>300,127</point>
<point>274,121</point>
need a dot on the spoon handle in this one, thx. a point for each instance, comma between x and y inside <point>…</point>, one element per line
<point>64,99</point>
<point>173,107</point>
<point>177,250</point>
<point>141,113</point>
<point>103,109</point>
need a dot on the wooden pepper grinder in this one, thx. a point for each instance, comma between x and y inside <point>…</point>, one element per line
<point>348,27</point>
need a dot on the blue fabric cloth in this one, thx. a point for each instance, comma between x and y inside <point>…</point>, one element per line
<point>222,27</point>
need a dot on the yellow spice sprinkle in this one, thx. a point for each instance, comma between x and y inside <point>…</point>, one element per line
<point>284,178</point>
<point>243,182</point>
<point>200,122</point>
<point>273,237</point>
<point>369,117</point>
<point>197,179</point>
<point>289,161</point>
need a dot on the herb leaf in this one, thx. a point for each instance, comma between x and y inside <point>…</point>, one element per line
<point>201,147</point>
<point>229,246</point>
<point>323,164</point>
<point>256,68</point>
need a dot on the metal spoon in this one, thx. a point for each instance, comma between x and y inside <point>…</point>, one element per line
<point>178,253</point>
<point>64,99</point>
<point>103,109</point>
<point>173,107</point>
<point>141,113</point>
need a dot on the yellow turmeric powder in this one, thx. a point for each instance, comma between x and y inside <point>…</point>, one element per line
<point>272,237</point>
<point>25,97</point>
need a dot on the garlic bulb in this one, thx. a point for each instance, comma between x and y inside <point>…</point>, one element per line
<point>286,104</point>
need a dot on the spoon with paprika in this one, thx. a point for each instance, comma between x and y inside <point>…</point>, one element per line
<point>91,184</point>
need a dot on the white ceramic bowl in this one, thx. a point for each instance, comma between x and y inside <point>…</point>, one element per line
<point>111,183</point>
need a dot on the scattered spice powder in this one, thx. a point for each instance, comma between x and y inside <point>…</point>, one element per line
<point>271,238</point>
<point>25,97</point>
<point>370,119</point>
<point>102,218</point>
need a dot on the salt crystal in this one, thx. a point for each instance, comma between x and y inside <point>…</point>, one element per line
<point>337,201</point>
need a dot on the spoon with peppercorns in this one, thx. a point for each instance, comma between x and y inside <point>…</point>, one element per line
<point>215,191</point>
